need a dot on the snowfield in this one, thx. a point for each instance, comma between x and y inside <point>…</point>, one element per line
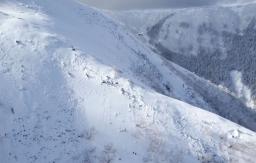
<point>75,86</point>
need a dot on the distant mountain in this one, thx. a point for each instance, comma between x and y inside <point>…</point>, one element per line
<point>76,86</point>
<point>217,43</point>
<point>234,2</point>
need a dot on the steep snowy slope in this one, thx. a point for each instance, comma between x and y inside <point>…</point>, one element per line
<point>217,43</point>
<point>75,87</point>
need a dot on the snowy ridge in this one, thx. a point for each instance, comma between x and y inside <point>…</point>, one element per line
<point>77,87</point>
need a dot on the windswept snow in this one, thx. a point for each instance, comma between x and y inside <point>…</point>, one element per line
<point>242,90</point>
<point>77,87</point>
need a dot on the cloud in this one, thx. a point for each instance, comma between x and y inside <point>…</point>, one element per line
<point>142,4</point>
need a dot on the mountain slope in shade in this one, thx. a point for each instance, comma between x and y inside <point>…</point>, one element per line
<point>76,87</point>
<point>217,43</point>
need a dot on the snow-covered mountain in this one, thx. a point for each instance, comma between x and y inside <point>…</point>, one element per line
<point>217,43</point>
<point>75,86</point>
<point>234,2</point>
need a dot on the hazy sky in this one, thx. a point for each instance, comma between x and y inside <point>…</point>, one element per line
<point>136,4</point>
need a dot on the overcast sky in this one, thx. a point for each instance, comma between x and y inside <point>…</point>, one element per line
<point>137,4</point>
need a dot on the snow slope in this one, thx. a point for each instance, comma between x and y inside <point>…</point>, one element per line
<point>214,42</point>
<point>76,87</point>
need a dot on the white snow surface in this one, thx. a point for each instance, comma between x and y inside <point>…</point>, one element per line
<point>77,87</point>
